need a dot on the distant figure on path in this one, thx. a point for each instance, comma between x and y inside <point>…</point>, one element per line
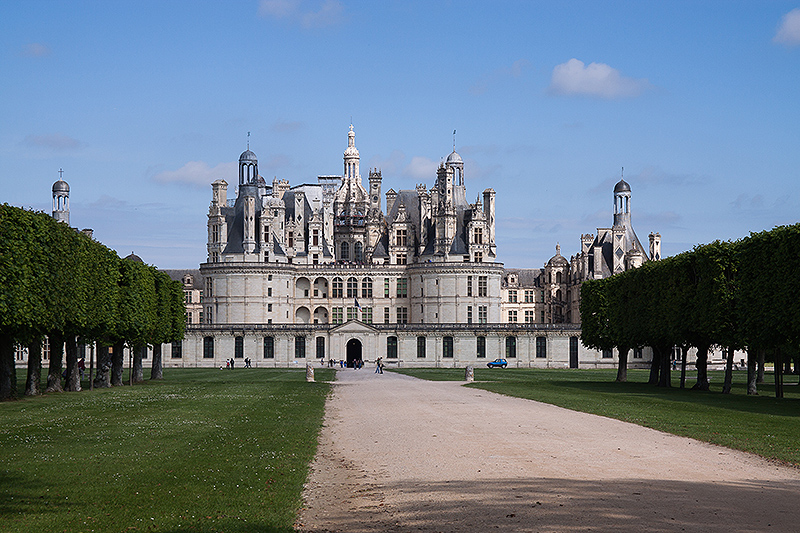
<point>378,366</point>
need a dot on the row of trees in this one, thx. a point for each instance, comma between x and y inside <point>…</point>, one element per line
<point>60,283</point>
<point>733,295</point>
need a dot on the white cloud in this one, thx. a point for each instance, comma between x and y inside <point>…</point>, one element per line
<point>595,79</point>
<point>198,173</point>
<point>306,13</point>
<point>421,168</point>
<point>35,50</point>
<point>55,142</point>
<point>789,31</point>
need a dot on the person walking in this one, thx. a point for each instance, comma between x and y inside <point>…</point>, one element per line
<point>378,366</point>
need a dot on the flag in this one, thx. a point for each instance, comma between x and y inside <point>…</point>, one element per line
<point>357,305</point>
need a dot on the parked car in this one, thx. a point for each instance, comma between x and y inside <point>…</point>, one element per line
<point>497,363</point>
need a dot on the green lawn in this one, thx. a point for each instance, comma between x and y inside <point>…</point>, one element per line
<point>204,450</point>
<point>759,424</point>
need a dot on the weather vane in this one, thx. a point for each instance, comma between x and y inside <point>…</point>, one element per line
<point>248,140</point>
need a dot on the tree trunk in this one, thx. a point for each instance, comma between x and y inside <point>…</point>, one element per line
<point>684,353</point>
<point>726,388</point>
<point>702,368</point>
<point>54,366</point>
<point>752,389</point>
<point>655,365</point>
<point>73,382</point>
<point>776,369</point>
<point>102,379</point>
<point>33,384</point>
<point>760,372</point>
<point>156,371</point>
<point>8,369</point>
<point>117,363</point>
<point>138,373</point>
<point>665,379</point>
<point>622,367</point>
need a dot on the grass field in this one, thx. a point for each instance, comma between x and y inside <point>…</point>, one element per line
<point>759,424</point>
<point>202,451</point>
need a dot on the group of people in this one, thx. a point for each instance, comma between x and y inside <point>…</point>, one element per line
<point>230,363</point>
<point>357,363</point>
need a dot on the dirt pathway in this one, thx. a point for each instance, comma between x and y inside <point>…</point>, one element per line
<point>402,454</point>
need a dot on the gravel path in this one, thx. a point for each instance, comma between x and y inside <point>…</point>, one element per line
<point>403,454</point>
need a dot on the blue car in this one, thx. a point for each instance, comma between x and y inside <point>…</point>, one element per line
<point>498,363</point>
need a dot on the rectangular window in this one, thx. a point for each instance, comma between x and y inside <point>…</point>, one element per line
<point>291,239</point>
<point>269,291</point>
<point>320,347</point>
<point>238,347</point>
<point>300,347</point>
<point>269,347</point>
<point>385,315</point>
<point>541,317</point>
<point>402,287</point>
<point>337,314</point>
<point>447,347</point>
<point>573,350</point>
<point>269,308</point>
<point>478,236</point>
<point>469,285</point>
<point>177,349</point>
<point>391,347</point>
<point>608,354</point>
<point>401,237</point>
<point>402,259</point>
<point>209,287</point>
<point>529,297</point>
<point>208,347</point>
<point>512,316</point>
<point>469,314</point>
<point>351,313</point>
<point>511,347</point>
<point>478,257</point>
<point>482,314</point>
<point>528,316</point>
<point>482,284</point>
<point>637,353</point>
<point>421,343</point>
<point>402,315</point>
<point>541,347</point>
<point>366,315</point>
<point>481,347</point>
<point>315,238</point>
<point>385,287</point>
<point>512,296</point>
<point>215,233</point>
<point>209,316</point>
<point>338,288</point>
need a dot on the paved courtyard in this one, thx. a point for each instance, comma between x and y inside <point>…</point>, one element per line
<point>403,454</point>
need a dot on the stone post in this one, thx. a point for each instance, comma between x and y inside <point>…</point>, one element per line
<point>309,373</point>
<point>469,375</point>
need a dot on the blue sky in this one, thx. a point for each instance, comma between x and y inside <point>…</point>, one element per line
<point>144,104</point>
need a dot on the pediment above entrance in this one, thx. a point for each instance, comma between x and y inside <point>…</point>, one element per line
<point>354,326</point>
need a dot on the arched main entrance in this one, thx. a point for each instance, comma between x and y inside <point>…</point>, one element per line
<point>353,352</point>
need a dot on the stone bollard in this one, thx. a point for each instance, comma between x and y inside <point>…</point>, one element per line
<point>309,373</point>
<point>469,375</point>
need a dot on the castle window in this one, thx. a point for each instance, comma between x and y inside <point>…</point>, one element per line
<point>512,296</point>
<point>402,238</point>
<point>482,286</point>
<point>337,314</point>
<point>512,316</point>
<point>528,316</point>
<point>637,353</point>
<point>385,287</point>
<point>358,252</point>
<point>402,287</point>
<point>208,347</point>
<point>478,257</point>
<point>608,354</point>
<point>447,347</point>
<point>469,285</point>
<point>269,347</point>
<point>238,347</point>
<point>385,315</point>
<point>402,259</point>
<point>291,239</point>
<point>209,287</point>
<point>338,288</point>
<point>215,233</point>
<point>177,349</point>
<point>345,254</point>
<point>529,298</point>
<point>558,277</point>
<point>300,347</point>
<point>315,238</point>
<point>511,347</point>
<point>541,347</point>
<point>351,313</point>
<point>320,347</point>
<point>481,314</point>
<point>366,315</point>
<point>402,315</point>
<point>366,288</point>
<point>480,347</point>
<point>391,347</point>
<point>352,287</point>
<point>421,347</point>
<point>478,236</point>
<point>469,314</point>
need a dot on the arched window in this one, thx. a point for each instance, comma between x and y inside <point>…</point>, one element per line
<point>366,288</point>
<point>345,254</point>
<point>558,277</point>
<point>358,252</point>
<point>352,287</point>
